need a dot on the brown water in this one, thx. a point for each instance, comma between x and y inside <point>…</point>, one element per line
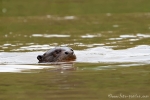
<point>112,49</point>
<point>100,72</point>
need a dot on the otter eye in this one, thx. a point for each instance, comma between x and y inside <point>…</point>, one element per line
<point>71,49</point>
<point>66,53</point>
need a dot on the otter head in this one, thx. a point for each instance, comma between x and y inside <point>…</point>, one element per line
<point>58,54</point>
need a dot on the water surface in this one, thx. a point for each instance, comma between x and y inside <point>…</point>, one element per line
<point>111,40</point>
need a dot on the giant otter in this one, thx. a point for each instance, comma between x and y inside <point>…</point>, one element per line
<point>57,54</point>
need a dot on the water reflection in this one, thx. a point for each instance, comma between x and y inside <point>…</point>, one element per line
<point>83,38</point>
<point>91,35</point>
<point>137,37</point>
<point>61,67</point>
<point>69,17</point>
<point>49,35</point>
<point>115,26</point>
<point>4,10</point>
<point>55,41</point>
<point>139,55</point>
<point>110,66</point>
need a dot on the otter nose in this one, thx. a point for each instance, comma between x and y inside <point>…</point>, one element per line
<point>39,57</point>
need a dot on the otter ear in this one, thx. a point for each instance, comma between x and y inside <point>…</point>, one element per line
<point>39,57</point>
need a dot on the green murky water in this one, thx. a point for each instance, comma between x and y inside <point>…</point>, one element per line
<point>110,39</point>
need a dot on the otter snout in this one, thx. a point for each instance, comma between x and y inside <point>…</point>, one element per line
<point>39,57</point>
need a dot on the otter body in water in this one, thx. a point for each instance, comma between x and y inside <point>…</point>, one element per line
<point>57,54</point>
